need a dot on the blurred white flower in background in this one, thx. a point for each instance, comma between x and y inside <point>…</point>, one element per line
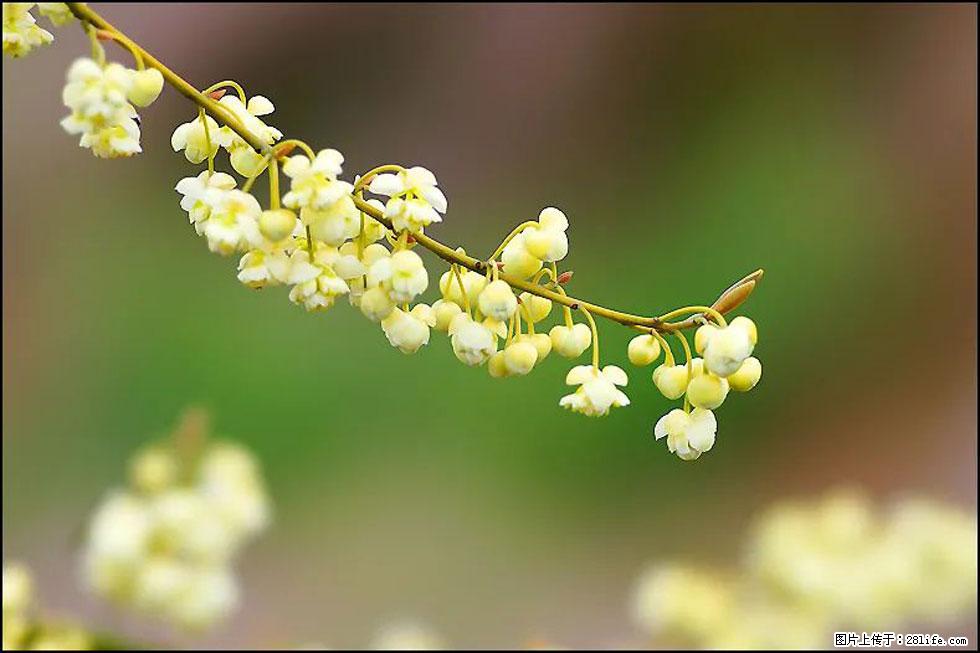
<point>23,629</point>
<point>165,545</point>
<point>815,568</point>
<point>406,636</point>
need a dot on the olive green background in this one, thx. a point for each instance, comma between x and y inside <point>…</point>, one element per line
<point>833,146</point>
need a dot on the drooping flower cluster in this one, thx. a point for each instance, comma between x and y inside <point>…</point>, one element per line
<point>326,238</point>
<point>21,33</point>
<point>24,628</point>
<point>166,543</point>
<point>101,97</point>
<point>816,568</point>
<point>727,364</point>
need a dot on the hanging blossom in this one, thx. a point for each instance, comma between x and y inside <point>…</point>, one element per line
<point>21,34</point>
<point>597,392</point>
<point>245,160</point>
<point>166,543</point>
<point>101,97</point>
<point>324,239</point>
<point>415,198</point>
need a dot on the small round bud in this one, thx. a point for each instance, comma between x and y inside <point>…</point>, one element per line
<point>707,391</point>
<point>747,325</point>
<point>671,380</point>
<point>498,301</point>
<point>376,304</point>
<point>445,312</point>
<point>153,470</point>
<point>643,350</point>
<point>517,260</point>
<point>747,376</point>
<point>520,357</point>
<point>497,366</point>
<point>541,342</point>
<point>571,342</point>
<point>146,86</point>
<point>537,308</point>
<point>277,224</point>
<point>702,335</point>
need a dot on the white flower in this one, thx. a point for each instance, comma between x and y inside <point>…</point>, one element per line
<point>233,225</point>
<point>314,183</point>
<point>597,392</point>
<point>335,224</point>
<point>498,300</point>
<point>259,268</point>
<point>245,160</point>
<point>472,342</point>
<point>201,194</point>
<point>547,241</point>
<point>570,342</point>
<point>473,284</point>
<point>20,33</point>
<point>726,349</point>
<point>277,225</point>
<point>415,199</point>
<point>409,331</point>
<point>402,275</point>
<point>375,304</point>
<point>518,260</point>
<point>199,139</point>
<point>688,434</point>
<point>230,477</point>
<point>316,284</point>
<point>57,12</point>
<point>121,139</point>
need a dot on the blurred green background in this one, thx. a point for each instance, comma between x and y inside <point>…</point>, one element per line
<point>833,146</point>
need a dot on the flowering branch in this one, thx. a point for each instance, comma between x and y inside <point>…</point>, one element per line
<point>85,13</point>
<point>321,239</point>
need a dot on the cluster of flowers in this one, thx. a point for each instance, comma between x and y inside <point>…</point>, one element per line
<point>102,96</point>
<point>23,629</point>
<point>322,245</point>
<point>165,545</point>
<point>726,364</point>
<point>813,569</point>
<point>323,240</point>
<point>21,33</point>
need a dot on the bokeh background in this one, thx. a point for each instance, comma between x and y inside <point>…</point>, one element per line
<point>833,146</point>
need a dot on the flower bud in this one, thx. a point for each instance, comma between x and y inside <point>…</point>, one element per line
<point>747,375</point>
<point>445,312</point>
<point>707,391</point>
<point>146,86</point>
<point>643,350</point>
<point>520,357</point>
<point>537,308</point>
<point>747,325</point>
<point>498,301</point>
<point>376,304</point>
<point>517,260</point>
<point>277,224</point>
<point>153,470</point>
<point>541,342</point>
<point>571,342</point>
<point>702,335</point>
<point>497,366</point>
<point>671,380</point>
<point>472,342</point>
